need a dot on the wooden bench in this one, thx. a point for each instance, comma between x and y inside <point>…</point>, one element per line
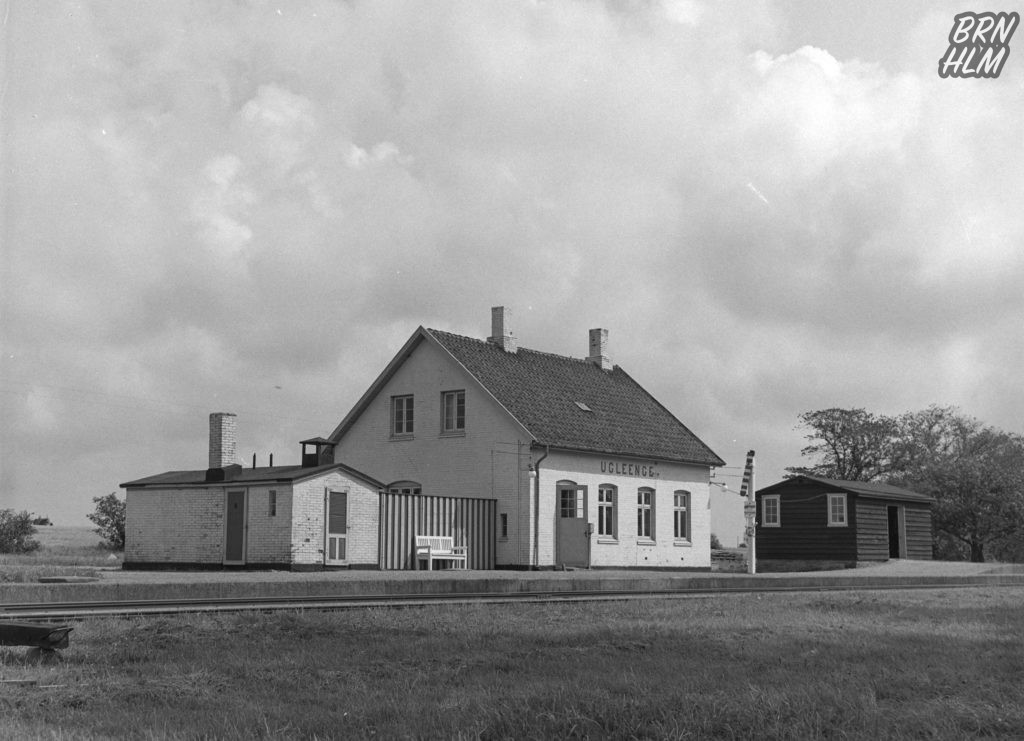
<point>41,639</point>
<point>432,548</point>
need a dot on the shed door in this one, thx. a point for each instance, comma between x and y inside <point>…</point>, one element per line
<point>896,547</point>
<point>234,527</point>
<point>572,533</point>
<point>335,547</point>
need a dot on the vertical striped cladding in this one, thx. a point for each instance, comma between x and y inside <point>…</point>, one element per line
<point>918,518</point>
<point>872,530</point>
<point>471,522</point>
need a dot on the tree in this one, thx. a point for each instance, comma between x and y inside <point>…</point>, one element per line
<point>975,472</point>
<point>16,531</point>
<point>850,444</point>
<point>109,516</point>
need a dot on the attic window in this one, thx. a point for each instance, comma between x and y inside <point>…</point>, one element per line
<point>583,406</point>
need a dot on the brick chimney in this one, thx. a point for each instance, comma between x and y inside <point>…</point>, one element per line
<point>599,349</point>
<point>501,329</point>
<point>223,435</point>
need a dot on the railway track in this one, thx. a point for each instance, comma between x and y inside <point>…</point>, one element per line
<point>127,608</point>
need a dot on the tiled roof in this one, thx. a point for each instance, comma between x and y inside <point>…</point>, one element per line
<point>239,475</point>
<point>541,391</point>
<point>868,489</point>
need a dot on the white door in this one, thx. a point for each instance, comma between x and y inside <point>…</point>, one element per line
<point>336,535</point>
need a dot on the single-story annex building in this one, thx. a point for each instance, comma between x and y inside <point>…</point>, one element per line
<point>820,519</point>
<point>526,459</point>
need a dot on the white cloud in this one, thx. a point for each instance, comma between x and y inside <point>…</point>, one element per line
<point>277,196</point>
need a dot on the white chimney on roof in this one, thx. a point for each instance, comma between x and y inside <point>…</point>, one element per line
<point>223,432</point>
<point>501,329</point>
<point>599,349</point>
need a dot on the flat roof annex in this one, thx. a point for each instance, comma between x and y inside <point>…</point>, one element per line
<point>247,476</point>
<point>542,392</point>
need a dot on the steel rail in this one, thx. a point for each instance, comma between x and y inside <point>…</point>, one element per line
<point>127,608</point>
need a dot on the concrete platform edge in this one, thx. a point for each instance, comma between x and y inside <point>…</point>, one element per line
<point>11,594</point>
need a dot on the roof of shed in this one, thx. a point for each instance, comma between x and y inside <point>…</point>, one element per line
<point>869,489</point>
<point>249,476</point>
<point>543,392</point>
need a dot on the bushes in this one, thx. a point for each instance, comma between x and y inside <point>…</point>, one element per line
<point>109,515</point>
<point>16,531</point>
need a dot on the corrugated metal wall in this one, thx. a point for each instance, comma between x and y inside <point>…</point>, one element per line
<point>471,522</point>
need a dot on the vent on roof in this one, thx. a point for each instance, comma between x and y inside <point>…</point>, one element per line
<point>583,406</point>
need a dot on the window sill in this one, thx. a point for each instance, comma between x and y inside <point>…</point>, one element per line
<point>456,433</point>
<point>770,524</point>
<point>837,524</point>
<point>400,438</point>
<point>646,541</point>
<point>608,541</point>
<point>682,543</point>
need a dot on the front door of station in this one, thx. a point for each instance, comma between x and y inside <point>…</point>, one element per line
<point>572,531</point>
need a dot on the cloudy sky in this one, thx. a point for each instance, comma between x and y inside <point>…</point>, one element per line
<point>772,206</point>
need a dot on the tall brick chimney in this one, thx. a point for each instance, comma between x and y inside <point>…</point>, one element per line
<point>501,329</point>
<point>599,349</point>
<point>223,435</point>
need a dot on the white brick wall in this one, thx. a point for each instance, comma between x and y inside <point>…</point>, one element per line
<point>268,536</point>
<point>186,525</point>
<point>308,513</point>
<point>625,550</point>
<point>174,525</point>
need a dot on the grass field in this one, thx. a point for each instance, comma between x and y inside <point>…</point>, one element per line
<point>65,551</point>
<point>878,665</point>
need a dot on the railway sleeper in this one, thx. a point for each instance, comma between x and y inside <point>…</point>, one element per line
<point>42,640</point>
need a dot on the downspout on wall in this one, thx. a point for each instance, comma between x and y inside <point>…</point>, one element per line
<point>536,508</point>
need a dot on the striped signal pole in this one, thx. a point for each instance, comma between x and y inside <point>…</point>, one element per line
<point>750,513</point>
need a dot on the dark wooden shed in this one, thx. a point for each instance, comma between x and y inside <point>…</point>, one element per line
<point>819,519</point>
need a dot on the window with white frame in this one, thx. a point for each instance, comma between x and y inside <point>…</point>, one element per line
<point>606,519</point>
<point>771,514</point>
<point>680,515</point>
<point>645,513</point>
<point>405,487</point>
<point>401,416</point>
<point>453,411</point>
<point>837,510</point>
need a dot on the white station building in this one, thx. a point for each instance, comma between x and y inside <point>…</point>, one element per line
<point>525,458</point>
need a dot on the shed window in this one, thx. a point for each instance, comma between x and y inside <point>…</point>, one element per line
<point>837,510</point>
<point>771,515</point>
<point>272,504</point>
